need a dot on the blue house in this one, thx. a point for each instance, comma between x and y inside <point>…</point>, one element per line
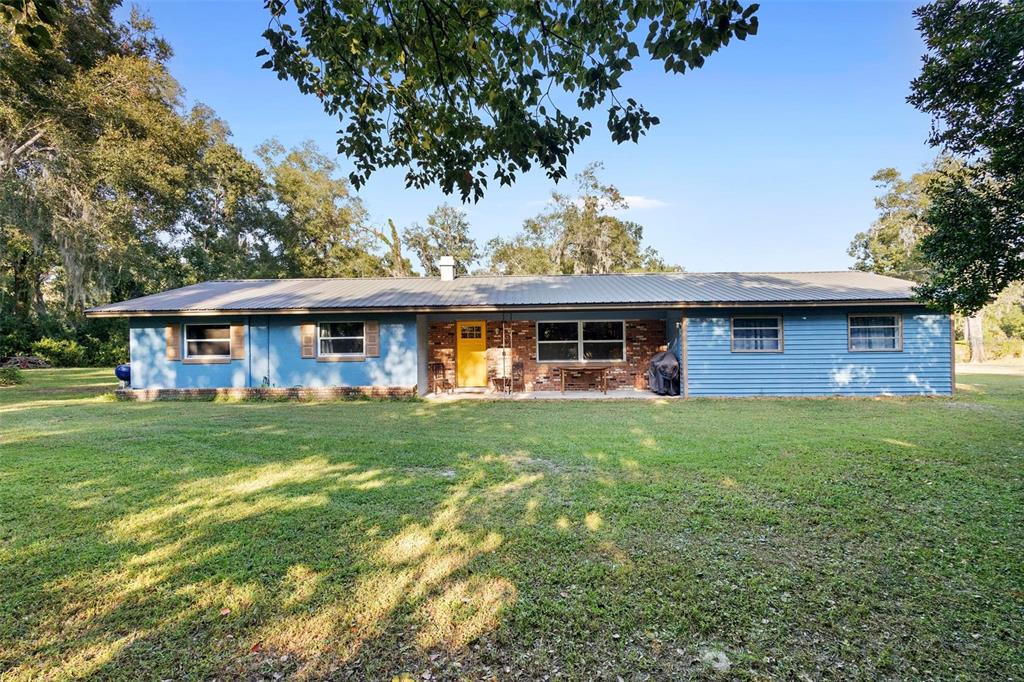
<point>734,334</point>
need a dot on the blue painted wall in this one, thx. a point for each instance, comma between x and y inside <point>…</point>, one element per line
<point>273,352</point>
<point>152,369</point>
<point>816,360</point>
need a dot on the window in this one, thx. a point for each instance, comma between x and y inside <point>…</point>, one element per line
<point>757,334</point>
<point>875,332</point>
<point>592,341</point>
<point>341,338</point>
<point>208,341</point>
<point>471,331</point>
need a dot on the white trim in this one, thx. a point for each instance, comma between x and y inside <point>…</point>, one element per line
<point>732,334</point>
<point>184,341</point>
<point>320,338</point>
<point>898,325</point>
<point>579,341</point>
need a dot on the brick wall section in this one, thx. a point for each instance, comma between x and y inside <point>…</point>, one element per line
<point>644,338</point>
<point>299,394</point>
<point>441,348</point>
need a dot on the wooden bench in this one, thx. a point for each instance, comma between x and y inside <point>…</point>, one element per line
<point>602,369</point>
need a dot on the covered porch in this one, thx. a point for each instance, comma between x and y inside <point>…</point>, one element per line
<point>544,354</point>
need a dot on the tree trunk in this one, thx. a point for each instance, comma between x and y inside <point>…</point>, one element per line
<point>975,337</point>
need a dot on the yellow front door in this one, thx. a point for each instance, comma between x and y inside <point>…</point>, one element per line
<point>471,353</point>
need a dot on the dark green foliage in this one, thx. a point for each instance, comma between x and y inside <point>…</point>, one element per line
<point>59,352</point>
<point>457,91</point>
<point>111,189</point>
<point>972,84</point>
<point>32,20</point>
<point>11,376</point>
<point>976,243</point>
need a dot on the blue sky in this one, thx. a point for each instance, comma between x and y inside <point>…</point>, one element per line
<point>763,159</point>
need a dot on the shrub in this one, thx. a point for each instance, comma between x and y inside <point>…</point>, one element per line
<point>15,336</point>
<point>107,353</point>
<point>60,352</point>
<point>11,376</point>
<point>1007,348</point>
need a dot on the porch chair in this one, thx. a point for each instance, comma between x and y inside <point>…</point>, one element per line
<point>438,378</point>
<point>517,376</point>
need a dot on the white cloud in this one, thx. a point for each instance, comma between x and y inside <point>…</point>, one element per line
<point>639,202</point>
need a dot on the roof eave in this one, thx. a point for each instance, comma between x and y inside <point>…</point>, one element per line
<point>502,308</point>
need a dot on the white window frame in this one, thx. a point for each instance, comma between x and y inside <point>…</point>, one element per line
<point>898,323</point>
<point>320,338</point>
<point>185,339</point>
<point>579,342</point>
<point>732,334</point>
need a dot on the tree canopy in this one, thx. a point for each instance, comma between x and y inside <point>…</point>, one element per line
<point>972,84</point>
<point>892,245</point>
<point>459,91</point>
<point>577,235</point>
<point>445,234</point>
<point>112,188</point>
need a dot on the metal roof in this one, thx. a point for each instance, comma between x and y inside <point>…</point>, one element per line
<point>421,293</point>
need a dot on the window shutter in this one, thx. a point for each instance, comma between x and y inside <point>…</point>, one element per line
<point>238,342</point>
<point>371,340</point>
<point>173,335</point>
<point>308,340</point>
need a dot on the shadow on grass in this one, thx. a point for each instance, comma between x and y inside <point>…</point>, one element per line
<point>286,567</point>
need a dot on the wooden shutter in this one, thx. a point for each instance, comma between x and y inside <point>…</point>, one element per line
<point>238,342</point>
<point>371,339</point>
<point>308,342</point>
<point>173,335</point>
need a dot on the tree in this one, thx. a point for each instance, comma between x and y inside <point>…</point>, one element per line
<point>1006,313</point>
<point>972,85</point>
<point>445,234</point>
<point>892,245</point>
<point>578,235</point>
<point>322,230</point>
<point>31,20</point>
<point>92,137</point>
<point>526,253</point>
<point>454,91</point>
<point>396,264</point>
<point>228,229</point>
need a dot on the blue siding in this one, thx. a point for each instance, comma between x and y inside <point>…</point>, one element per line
<point>273,353</point>
<point>152,369</point>
<point>396,365</point>
<point>816,360</point>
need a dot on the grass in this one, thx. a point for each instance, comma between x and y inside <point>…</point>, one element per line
<point>835,539</point>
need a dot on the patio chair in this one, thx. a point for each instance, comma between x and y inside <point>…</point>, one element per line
<point>517,377</point>
<point>439,378</point>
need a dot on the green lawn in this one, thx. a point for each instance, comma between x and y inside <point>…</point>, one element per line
<point>799,539</point>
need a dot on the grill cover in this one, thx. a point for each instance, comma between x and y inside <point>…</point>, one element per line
<point>663,375</point>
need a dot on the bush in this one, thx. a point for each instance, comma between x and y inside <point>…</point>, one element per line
<point>60,352</point>
<point>109,353</point>
<point>1008,348</point>
<point>15,336</point>
<point>11,376</point>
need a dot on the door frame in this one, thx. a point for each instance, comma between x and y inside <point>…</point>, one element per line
<point>458,337</point>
